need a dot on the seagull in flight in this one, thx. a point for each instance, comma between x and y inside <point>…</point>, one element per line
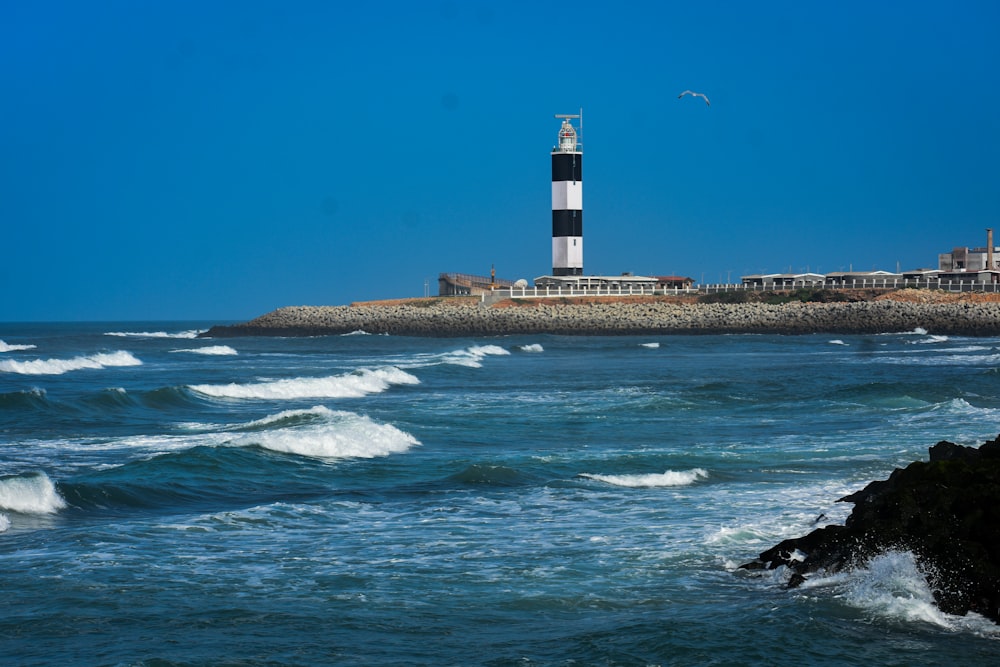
<point>691,92</point>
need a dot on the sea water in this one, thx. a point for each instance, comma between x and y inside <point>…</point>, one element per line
<point>525,500</point>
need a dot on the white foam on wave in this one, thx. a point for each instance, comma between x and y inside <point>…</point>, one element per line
<point>892,586</point>
<point>665,479</point>
<point>651,346</point>
<point>337,434</point>
<point>60,366</point>
<point>533,347</point>
<point>6,347</point>
<point>221,350</point>
<point>316,411</point>
<point>4,522</point>
<point>929,340</point>
<point>925,337</point>
<point>962,354</point>
<point>348,385</point>
<point>473,356</point>
<point>470,357</point>
<point>957,407</point>
<point>837,341</point>
<point>30,494</point>
<point>154,334</point>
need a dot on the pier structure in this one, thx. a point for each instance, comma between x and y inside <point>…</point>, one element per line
<point>567,199</point>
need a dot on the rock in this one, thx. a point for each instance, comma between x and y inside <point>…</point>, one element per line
<point>624,318</point>
<point>946,511</point>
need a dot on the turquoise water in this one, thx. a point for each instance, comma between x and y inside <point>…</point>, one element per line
<point>540,500</point>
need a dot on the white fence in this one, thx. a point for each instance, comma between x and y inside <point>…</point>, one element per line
<point>865,283</point>
<point>640,290</point>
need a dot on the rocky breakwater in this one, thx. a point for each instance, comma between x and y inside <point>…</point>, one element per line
<point>945,511</point>
<point>625,316</point>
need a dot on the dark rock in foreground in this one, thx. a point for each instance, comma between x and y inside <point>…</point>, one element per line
<point>945,511</point>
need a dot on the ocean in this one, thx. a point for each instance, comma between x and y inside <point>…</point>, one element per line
<point>538,500</point>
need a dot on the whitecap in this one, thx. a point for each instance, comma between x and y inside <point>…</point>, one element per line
<point>30,494</point>
<point>470,357</point>
<point>348,385</point>
<point>837,341</point>
<point>930,340</point>
<point>480,351</point>
<point>6,347</point>
<point>338,434</point>
<point>665,479</point>
<point>155,334</point>
<point>286,415</point>
<point>60,366</point>
<point>221,350</point>
<point>893,586</point>
<point>533,347</point>
<point>651,346</point>
<point>4,522</point>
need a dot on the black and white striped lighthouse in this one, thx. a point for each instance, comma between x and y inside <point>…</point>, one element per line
<point>567,200</point>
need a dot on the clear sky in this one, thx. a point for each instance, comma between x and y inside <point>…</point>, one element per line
<point>185,159</point>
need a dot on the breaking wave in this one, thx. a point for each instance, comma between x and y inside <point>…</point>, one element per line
<point>668,478</point>
<point>471,357</point>
<point>60,366</point>
<point>533,347</point>
<point>892,586</point>
<point>32,493</point>
<point>348,385</point>
<point>324,433</point>
<point>651,346</point>
<point>210,350</point>
<point>154,334</point>
<point>6,347</point>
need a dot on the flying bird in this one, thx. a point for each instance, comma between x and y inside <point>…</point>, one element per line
<point>691,92</point>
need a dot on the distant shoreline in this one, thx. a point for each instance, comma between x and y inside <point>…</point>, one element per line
<point>900,311</point>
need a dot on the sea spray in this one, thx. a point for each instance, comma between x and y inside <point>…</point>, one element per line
<point>32,493</point>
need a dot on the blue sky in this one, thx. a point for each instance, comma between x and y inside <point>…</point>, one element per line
<point>216,160</point>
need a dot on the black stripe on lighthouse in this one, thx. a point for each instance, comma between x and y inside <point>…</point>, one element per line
<point>567,223</point>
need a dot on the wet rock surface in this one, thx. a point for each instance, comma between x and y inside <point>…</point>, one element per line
<point>946,511</point>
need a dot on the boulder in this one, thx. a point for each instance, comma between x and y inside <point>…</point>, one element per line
<point>946,511</point>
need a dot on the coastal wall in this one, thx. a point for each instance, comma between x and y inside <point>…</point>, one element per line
<point>625,318</point>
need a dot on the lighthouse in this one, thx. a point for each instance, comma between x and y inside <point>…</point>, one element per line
<point>567,199</point>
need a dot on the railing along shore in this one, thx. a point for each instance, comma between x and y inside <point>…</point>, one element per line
<point>640,290</point>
